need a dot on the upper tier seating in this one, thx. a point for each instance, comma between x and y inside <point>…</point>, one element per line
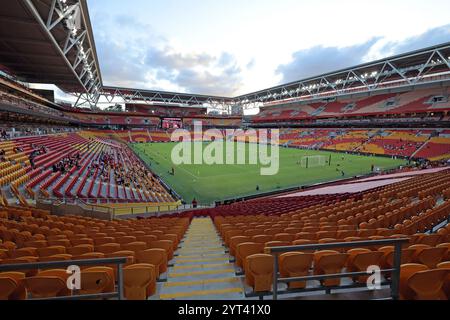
<point>94,168</point>
<point>407,102</point>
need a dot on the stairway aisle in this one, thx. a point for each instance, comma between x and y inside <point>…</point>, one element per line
<point>201,268</point>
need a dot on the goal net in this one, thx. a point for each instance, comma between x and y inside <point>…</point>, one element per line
<point>313,161</point>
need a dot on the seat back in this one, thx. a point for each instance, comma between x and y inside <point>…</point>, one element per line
<point>108,248</point>
<point>431,256</point>
<point>51,251</point>
<point>156,257</point>
<point>259,272</point>
<point>329,262</point>
<point>234,241</point>
<point>295,264</point>
<point>46,286</point>
<point>407,271</point>
<point>262,238</point>
<point>428,284</point>
<point>139,281</point>
<point>7,286</point>
<point>80,249</point>
<point>446,287</point>
<point>95,281</point>
<point>246,249</point>
<point>136,246</point>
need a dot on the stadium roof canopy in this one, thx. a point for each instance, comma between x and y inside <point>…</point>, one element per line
<point>50,41</point>
<point>425,66</point>
<point>131,95</point>
<point>421,67</point>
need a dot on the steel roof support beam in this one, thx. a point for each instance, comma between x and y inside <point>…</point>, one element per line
<point>69,17</point>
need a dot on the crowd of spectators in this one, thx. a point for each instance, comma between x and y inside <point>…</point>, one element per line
<point>67,163</point>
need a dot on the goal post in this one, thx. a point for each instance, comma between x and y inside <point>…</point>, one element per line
<point>313,161</point>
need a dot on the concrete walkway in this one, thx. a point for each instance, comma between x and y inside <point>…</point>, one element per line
<point>201,268</point>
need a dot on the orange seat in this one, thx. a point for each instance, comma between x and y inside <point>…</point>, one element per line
<point>51,251</point>
<point>129,255</point>
<point>406,272</point>
<point>24,252</point>
<point>156,257</point>
<point>259,272</point>
<point>48,284</point>
<point>446,287</point>
<point>300,242</point>
<point>429,239</point>
<point>95,281</point>
<point>108,248</point>
<point>326,234</point>
<point>328,240</point>
<point>428,284</point>
<point>360,259</point>
<point>295,264</point>
<point>261,238</point>
<point>4,254</point>
<point>139,281</point>
<point>80,249</point>
<point>23,260</point>
<point>329,262</point>
<point>163,244</point>
<point>125,239</point>
<point>90,256</point>
<point>231,233</point>
<point>429,256</point>
<point>172,237</point>
<point>136,246</point>
<point>306,236</point>
<point>60,242</point>
<point>147,238</point>
<point>366,233</point>
<point>286,237</point>
<point>36,244</point>
<point>109,271</point>
<point>56,257</point>
<point>271,244</point>
<point>234,241</point>
<point>445,245</point>
<point>387,261</point>
<point>243,250</point>
<point>12,286</point>
<point>77,242</point>
<point>104,240</point>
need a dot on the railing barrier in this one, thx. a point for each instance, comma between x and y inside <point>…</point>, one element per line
<point>119,294</point>
<point>395,278</point>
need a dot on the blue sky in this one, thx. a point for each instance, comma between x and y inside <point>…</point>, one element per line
<point>233,47</point>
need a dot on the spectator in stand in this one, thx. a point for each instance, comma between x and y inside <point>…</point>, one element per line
<point>31,158</point>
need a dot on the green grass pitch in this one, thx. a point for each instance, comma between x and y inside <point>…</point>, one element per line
<point>209,183</point>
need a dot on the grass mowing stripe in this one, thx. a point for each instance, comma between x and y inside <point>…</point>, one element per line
<point>219,182</point>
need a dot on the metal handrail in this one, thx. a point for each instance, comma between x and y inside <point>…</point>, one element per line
<point>91,262</point>
<point>395,279</point>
